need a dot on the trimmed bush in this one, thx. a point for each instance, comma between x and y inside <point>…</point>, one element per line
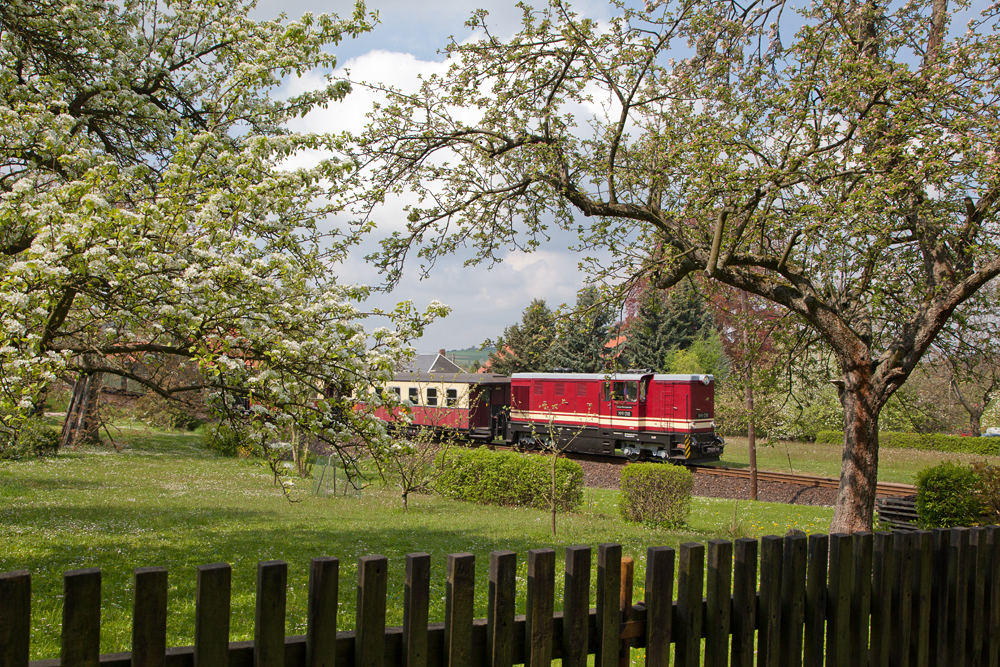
<point>508,479</point>
<point>937,442</point>
<point>988,491</point>
<point>946,496</point>
<point>656,494</point>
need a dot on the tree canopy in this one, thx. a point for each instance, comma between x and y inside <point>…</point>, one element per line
<point>524,346</point>
<point>147,213</point>
<point>839,160</point>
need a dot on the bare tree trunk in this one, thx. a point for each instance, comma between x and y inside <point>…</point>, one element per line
<point>855,505</point>
<point>975,411</point>
<point>83,422</point>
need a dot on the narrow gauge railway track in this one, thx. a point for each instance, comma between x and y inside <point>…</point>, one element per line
<point>882,489</point>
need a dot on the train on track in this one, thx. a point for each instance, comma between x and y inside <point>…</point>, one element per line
<point>636,415</point>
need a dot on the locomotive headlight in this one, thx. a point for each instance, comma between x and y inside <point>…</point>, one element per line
<point>706,379</point>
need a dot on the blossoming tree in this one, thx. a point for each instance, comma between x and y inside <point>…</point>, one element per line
<point>839,160</point>
<point>149,212</point>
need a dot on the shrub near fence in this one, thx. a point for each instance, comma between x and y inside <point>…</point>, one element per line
<point>923,598</point>
<point>930,441</point>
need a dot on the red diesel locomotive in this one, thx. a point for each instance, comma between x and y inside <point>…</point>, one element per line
<point>637,415</point>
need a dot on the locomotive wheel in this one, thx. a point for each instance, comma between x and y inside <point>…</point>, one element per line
<point>633,457</point>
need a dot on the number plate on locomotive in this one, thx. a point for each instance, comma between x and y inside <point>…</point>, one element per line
<point>624,413</point>
<point>702,415</point>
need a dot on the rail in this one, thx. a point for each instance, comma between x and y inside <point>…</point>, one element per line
<point>884,489</point>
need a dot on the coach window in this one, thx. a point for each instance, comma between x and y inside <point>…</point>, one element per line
<point>414,395</point>
<point>452,398</point>
<point>394,390</point>
<point>432,396</point>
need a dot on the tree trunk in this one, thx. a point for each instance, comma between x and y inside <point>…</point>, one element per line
<point>83,422</point>
<point>859,466</point>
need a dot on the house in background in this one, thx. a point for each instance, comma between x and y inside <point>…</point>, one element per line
<point>437,364</point>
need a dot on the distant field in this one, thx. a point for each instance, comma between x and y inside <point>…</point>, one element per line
<point>895,465</point>
<point>466,357</point>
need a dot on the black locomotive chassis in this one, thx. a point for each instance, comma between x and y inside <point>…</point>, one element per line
<point>596,440</point>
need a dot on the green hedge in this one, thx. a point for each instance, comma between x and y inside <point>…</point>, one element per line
<point>508,479</point>
<point>656,494</point>
<point>933,441</point>
<point>948,495</point>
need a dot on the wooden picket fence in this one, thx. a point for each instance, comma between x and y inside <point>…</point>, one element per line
<point>927,599</point>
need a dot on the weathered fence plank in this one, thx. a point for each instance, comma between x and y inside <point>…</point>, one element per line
<point>15,618</point>
<point>861,597</point>
<point>81,623</point>
<point>744,602</point>
<point>769,606</point>
<point>321,614</point>
<point>369,628</point>
<point>839,589</point>
<point>688,615</point>
<point>793,600</point>
<point>460,596</point>
<point>939,654</point>
<point>501,606</point>
<point>211,615</point>
<point>576,607</point>
<point>609,575</point>
<point>149,617</point>
<point>416,609</point>
<point>719,604</point>
<point>659,605</point>
<point>958,594</point>
<point>993,599</point>
<point>978,556</point>
<point>269,620</point>
<point>923,582</point>
<point>815,613</point>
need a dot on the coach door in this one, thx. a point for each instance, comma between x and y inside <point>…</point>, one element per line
<point>605,408</point>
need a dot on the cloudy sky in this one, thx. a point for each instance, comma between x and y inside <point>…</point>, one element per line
<point>404,44</point>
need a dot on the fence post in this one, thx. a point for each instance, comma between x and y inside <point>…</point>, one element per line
<point>369,627</point>
<point>769,621</point>
<point>211,615</point>
<point>538,608</point>
<point>416,609</point>
<point>793,600</point>
<point>838,617</point>
<point>609,573</point>
<point>687,643</point>
<point>659,605</point>
<point>744,602</point>
<point>501,606</point>
<point>149,617</point>
<point>15,618</point>
<point>81,628</point>
<point>269,617</point>
<point>459,601</point>
<point>576,606</point>
<point>321,616</point>
<point>719,596</point>
<point>813,653</point>
<point>625,606</point>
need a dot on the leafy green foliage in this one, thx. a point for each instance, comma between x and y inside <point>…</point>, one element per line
<point>988,490</point>
<point>524,347</point>
<point>34,439</point>
<point>946,496</point>
<point>508,479</point>
<point>666,324</point>
<point>930,441</point>
<point>656,494</point>
<point>582,334</point>
<point>228,439</point>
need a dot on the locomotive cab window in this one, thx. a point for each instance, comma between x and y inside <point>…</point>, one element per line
<point>452,398</point>
<point>625,391</point>
<point>432,396</point>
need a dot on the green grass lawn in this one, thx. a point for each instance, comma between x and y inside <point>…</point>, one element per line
<point>165,501</point>
<point>895,465</point>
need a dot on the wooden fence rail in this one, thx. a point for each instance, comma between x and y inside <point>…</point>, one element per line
<point>921,599</point>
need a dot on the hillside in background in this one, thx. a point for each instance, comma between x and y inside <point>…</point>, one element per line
<point>466,357</point>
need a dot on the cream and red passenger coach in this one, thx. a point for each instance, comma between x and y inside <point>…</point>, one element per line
<point>639,416</point>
